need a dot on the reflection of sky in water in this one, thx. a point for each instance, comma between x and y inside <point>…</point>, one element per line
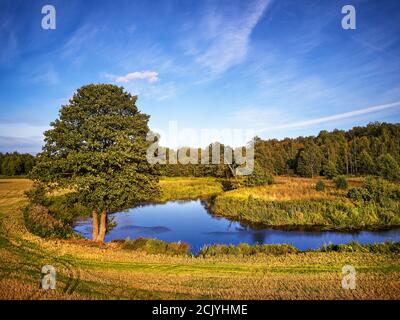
<point>191,223</point>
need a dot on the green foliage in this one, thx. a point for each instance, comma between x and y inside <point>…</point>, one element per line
<point>37,194</point>
<point>39,221</point>
<point>388,167</point>
<point>341,183</point>
<point>188,188</point>
<point>245,249</point>
<point>354,152</point>
<point>229,184</point>
<point>366,163</point>
<point>320,185</point>
<point>258,177</point>
<point>67,208</point>
<point>155,246</point>
<point>377,190</point>
<point>309,160</point>
<point>97,147</point>
<point>15,164</point>
<point>329,170</point>
<point>340,214</point>
<point>383,248</point>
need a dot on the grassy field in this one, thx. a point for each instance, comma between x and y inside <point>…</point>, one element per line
<point>92,271</point>
<point>292,188</point>
<point>295,202</point>
<point>188,188</point>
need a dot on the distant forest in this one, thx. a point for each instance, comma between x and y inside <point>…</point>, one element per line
<point>373,149</point>
<point>370,150</point>
<point>16,164</point>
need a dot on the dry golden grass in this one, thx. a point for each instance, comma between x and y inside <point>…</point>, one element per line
<point>12,192</point>
<point>86,271</point>
<point>291,188</point>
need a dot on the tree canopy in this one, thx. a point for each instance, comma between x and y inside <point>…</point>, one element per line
<point>97,147</point>
<point>357,151</point>
<point>15,164</point>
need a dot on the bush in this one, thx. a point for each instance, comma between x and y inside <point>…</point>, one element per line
<point>155,246</point>
<point>37,195</point>
<point>375,189</point>
<point>385,247</point>
<point>341,183</point>
<point>39,221</point>
<point>245,249</point>
<point>320,186</point>
<point>228,185</point>
<point>259,177</point>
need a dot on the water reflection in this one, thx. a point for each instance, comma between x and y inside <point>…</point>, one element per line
<point>189,221</point>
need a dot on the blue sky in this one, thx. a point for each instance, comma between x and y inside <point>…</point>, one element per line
<point>284,68</point>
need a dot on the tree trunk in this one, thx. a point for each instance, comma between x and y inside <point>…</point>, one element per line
<point>95,225</point>
<point>103,226</point>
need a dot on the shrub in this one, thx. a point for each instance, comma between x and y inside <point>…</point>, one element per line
<point>39,221</point>
<point>320,186</point>
<point>359,194</point>
<point>375,189</point>
<point>155,246</point>
<point>37,195</point>
<point>341,182</point>
<point>245,249</point>
<point>259,177</point>
<point>385,247</point>
<point>228,185</point>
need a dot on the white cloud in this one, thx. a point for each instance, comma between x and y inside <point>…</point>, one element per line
<point>150,76</point>
<point>336,117</point>
<point>226,38</point>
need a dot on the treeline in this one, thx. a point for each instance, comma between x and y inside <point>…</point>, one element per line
<point>372,149</point>
<point>15,164</point>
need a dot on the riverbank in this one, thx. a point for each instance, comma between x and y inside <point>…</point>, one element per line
<point>294,202</point>
<point>86,270</point>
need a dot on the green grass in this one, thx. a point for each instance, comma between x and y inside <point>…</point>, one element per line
<point>296,203</point>
<point>107,271</point>
<point>184,188</point>
<point>155,246</point>
<point>245,249</point>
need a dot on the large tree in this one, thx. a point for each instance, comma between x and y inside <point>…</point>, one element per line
<point>97,148</point>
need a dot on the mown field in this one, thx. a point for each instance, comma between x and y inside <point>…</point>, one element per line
<point>93,271</point>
